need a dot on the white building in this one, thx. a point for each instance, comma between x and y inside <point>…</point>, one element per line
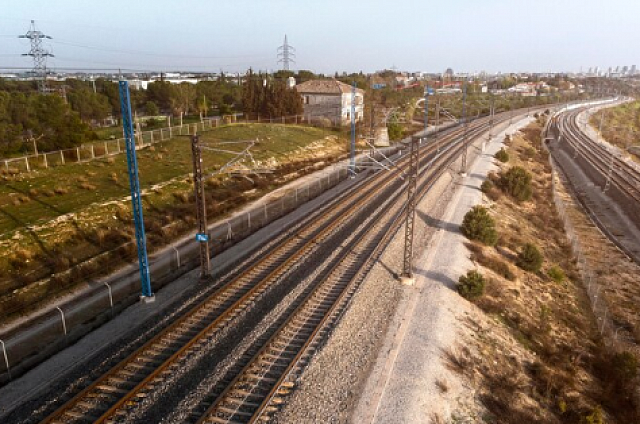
<point>330,99</point>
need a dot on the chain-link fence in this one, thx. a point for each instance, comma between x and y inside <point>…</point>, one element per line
<point>583,252</point>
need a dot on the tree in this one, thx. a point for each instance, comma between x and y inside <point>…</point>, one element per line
<point>90,105</point>
<point>152,108</point>
<point>517,183</point>
<point>530,258</point>
<point>471,286</point>
<point>479,225</point>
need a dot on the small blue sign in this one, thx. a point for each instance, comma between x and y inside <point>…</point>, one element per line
<point>202,237</point>
<point>429,91</point>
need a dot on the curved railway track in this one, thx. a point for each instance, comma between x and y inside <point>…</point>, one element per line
<point>624,179</point>
<point>110,396</point>
<point>623,175</point>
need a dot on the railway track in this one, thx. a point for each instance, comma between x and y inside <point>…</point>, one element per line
<point>109,397</point>
<point>601,165</point>
<point>623,175</point>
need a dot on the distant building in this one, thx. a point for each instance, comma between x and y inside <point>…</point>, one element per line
<point>330,99</point>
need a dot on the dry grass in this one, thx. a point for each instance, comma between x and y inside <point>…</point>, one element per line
<point>542,359</point>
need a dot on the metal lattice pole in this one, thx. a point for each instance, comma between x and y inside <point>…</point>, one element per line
<point>410,212</point>
<point>352,159</point>
<point>39,55</point>
<point>463,171</point>
<point>134,184</point>
<point>286,54</point>
<point>201,208</point>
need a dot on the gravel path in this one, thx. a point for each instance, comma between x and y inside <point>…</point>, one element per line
<point>345,381</point>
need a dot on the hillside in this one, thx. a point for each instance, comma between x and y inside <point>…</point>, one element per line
<point>55,219</point>
<point>536,354</point>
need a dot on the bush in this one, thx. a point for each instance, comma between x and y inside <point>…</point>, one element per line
<point>556,273</point>
<point>625,367</point>
<point>529,258</point>
<point>502,155</point>
<point>471,286</point>
<point>479,225</point>
<point>395,131</point>
<point>517,183</point>
<point>486,186</point>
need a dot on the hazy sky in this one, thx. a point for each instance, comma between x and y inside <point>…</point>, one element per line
<point>329,35</point>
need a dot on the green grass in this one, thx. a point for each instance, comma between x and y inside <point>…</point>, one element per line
<point>169,159</point>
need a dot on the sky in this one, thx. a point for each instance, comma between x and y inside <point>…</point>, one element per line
<point>329,35</point>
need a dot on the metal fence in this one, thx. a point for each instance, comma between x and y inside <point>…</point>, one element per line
<point>27,345</point>
<point>104,149</point>
<point>583,254</point>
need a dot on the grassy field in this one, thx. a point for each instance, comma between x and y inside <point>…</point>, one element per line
<point>54,219</point>
<point>32,199</point>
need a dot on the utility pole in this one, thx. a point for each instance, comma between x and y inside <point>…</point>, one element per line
<point>463,171</point>
<point>39,55</point>
<point>410,212</point>
<point>352,160</point>
<point>426,109</point>
<point>437,123</point>
<point>201,209</point>
<point>134,184</point>
<point>286,54</point>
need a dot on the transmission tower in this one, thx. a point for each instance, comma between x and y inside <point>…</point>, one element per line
<point>286,54</point>
<point>39,55</point>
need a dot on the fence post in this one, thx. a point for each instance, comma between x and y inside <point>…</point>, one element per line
<point>151,132</point>
<point>93,153</point>
<point>110,296</point>
<point>6,359</point>
<point>26,161</point>
<point>78,153</point>
<point>177,255</point>
<point>6,165</point>
<point>64,324</point>
<point>106,148</point>
<point>46,164</point>
<point>62,157</point>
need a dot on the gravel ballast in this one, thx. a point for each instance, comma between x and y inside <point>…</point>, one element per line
<point>355,371</point>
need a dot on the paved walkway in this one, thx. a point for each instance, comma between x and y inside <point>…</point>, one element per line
<point>406,389</point>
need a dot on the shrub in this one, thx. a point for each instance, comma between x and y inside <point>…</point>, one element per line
<point>595,417</point>
<point>479,225</point>
<point>502,155</point>
<point>517,183</point>
<point>395,131</point>
<point>625,367</point>
<point>486,186</point>
<point>471,286</point>
<point>556,273</point>
<point>529,258</point>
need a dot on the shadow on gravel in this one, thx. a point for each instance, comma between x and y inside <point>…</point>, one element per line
<point>437,277</point>
<point>437,223</point>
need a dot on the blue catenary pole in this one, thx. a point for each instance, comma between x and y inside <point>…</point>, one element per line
<point>352,162</point>
<point>134,183</point>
